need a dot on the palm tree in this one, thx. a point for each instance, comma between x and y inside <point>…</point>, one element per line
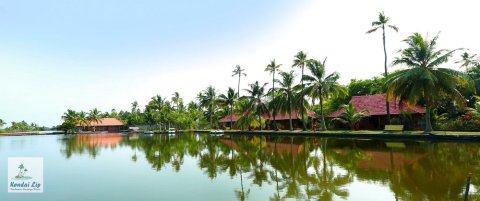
<point>94,117</point>
<point>228,101</point>
<point>286,95</point>
<point>2,123</point>
<point>321,85</point>
<point>382,21</point>
<point>351,116</point>
<point>176,99</point>
<point>272,68</point>
<point>424,79</point>
<point>301,61</point>
<point>208,100</point>
<point>83,119</point>
<point>467,61</point>
<point>238,71</point>
<point>257,103</point>
<point>70,119</point>
<point>247,118</point>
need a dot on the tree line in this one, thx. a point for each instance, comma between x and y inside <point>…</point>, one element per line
<point>448,95</point>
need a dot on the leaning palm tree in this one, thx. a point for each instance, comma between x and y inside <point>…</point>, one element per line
<point>208,99</point>
<point>380,24</point>
<point>322,86</point>
<point>350,116</point>
<point>272,68</point>
<point>301,61</point>
<point>423,79</point>
<point>94,117</point>
<point>258,105</point>
<point>238,71</point>
<point>286,95</point>
<point>228,100</point>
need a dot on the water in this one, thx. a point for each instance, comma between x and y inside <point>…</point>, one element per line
<point>203,167</point>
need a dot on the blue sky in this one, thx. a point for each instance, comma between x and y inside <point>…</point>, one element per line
<point>56,55</point>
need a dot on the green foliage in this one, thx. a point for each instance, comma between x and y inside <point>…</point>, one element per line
<point>322,86</point>
<point>351,117</point>
<point>424,79</point>
<point>23,126</point>
<point>396,121</point>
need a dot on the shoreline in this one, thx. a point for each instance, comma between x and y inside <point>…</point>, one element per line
<point>362,134</point>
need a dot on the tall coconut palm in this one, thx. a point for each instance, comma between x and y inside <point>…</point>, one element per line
<point>286,95</point>
<point>94,117</point>
<point>380,24</point>
<point>176,99</point>
<point>256,95</point>
<point>238,71</point>
<point>208,99</point>
<point>301,61</point>
<point>272,68</point>
<point>423,79</point>
<point>322,86</point>
<point>228,100</point>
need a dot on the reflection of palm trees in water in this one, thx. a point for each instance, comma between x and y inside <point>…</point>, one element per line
<point>327,182</point>
<point>242,195</point>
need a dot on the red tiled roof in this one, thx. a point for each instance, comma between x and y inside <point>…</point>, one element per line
<point>375,105</point>
<point>279,116</point>
<point>106,122</point>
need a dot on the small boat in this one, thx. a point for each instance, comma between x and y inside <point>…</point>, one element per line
<point>216,132</point>
<point>171,130</point>
<point>148,132</point>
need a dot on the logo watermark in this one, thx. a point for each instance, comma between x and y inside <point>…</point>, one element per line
<point>25,175</point>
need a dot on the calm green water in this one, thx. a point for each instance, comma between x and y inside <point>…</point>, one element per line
<point>203,167</point>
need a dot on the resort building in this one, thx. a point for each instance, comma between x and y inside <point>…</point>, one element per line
<point>282,120</point>
<point>409,116</point>
<point>110,125</point>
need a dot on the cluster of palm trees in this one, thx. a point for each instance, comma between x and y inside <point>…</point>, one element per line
<point>424,81</point>
<point>72,119</point>
<point>288,97</point>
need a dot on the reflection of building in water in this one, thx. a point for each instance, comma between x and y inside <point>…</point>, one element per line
<point>383,159</point>
<point>281,147</point>
<point>99,140</point>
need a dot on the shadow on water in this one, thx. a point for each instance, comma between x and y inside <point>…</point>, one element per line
<point>305,168</point>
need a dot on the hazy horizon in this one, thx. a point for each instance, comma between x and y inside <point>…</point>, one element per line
<point>58,55</point>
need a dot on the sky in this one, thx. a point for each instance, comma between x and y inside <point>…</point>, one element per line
<point>83,54</point>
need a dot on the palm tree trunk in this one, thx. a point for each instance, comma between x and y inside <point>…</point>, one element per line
<point>238,87</point>
<point>301,110</point>
<point>260,121</point>
<point>313,103</point>
<point>387,104</point>
<point>290,114</point>
<point>273,99</point>
<point>428,123</point>
<point>322,118</point>
<point>231,117</point>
